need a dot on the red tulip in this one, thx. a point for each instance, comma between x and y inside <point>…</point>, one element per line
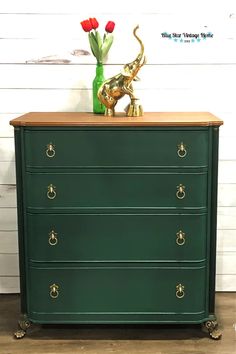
<point>86,25</point>
<point>110,26</point>
<point>100,46</point>
<point>94,23</point>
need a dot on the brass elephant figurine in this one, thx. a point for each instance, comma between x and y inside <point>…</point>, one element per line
<point>117,86</point>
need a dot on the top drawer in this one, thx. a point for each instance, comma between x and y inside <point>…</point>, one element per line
<point>116,147</point>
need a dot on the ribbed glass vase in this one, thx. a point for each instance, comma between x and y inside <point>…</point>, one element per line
<point>98,107</point>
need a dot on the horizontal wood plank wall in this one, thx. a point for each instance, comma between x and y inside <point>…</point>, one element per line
<point>46,65</point>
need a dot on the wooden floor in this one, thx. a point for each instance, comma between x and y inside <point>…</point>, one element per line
<point>117,339</point>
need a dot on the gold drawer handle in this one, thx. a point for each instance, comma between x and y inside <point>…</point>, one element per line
<point>180,291</point>
<point>182,152</point>
<point>51,193</point>
<point>50,152</point>
<point>53,240</point>
<point>180,194</point>
<point>54,292</point>
<point>180,238</point>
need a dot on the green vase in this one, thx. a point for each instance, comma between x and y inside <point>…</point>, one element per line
<point>98,107</point>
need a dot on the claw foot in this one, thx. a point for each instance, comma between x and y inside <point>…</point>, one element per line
<point>212,327</point>
<point>24,324</point>
<point>19,334</point>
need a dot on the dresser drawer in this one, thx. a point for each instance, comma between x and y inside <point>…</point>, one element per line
<point>116,190</point>
<point>116,237</point>
<point>116,148</point>
<point>88,292</point>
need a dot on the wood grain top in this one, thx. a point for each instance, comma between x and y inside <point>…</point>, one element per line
<point>90,119</point>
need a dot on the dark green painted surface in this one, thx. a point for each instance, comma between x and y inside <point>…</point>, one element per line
<point>213,216</point>
<point>116,290</point>
<point>116,147</point>
<point>121,261</point>
<point>112,190</point>
<point>102,237</point>
<point>22,243</point>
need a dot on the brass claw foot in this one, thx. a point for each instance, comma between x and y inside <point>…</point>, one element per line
<point>19,334</point>
<point>212,327</point>
<point>24,324</point>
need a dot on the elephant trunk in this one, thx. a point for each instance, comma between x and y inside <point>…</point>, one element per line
<point>140,55</point>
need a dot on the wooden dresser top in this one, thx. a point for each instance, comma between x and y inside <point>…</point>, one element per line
<point>90,119</point>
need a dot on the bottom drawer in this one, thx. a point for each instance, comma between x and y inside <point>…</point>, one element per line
<point>116,294</point>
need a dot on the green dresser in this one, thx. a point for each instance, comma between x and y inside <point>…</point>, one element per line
<point>117,218</point>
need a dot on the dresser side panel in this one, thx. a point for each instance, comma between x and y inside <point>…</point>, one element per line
<point>19,158</point>
<point>213,217</point>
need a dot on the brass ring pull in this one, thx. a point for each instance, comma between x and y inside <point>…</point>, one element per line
<point>180,194</point>
<point>54,291</point>
<point>180,238</point>
<point>50,152</point>
<point>180,291</point>
<point>51,193</point>
<point>182,152</point>
<point>53,240</point>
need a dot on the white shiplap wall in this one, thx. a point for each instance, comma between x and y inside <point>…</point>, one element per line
<point>178,77</point>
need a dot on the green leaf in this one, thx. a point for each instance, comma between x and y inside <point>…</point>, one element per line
<point>94,45</point>
<point>106,46</point>
<point>98,38</point>
<point>90,44</point>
